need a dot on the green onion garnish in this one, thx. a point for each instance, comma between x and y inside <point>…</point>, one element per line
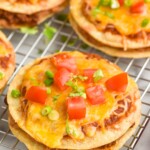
<point>128,3</point>
<point>145,22</point>
<point>49,32</point>
<point>53,115</point>
<point>15,93</point>
<point>80,94</point>
<point>62,17</point>
<point>98,75</point>
<point>48,82</point>
<point>1,75</point>
<point>46,110</point>
<point>49,74</point>
<point>110,15</point>
<point>55,98</point>
<point>103,3</point>
<point>29,30</point>
<point>48,91</point>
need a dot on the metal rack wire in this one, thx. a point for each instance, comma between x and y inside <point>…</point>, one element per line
<point>27,49</point>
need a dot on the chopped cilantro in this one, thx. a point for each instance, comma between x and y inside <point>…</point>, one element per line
<point>29,30</point>
<point>98,75</point>
<point>49,32</point>
<point>145,22</point>
<point>55,98</point>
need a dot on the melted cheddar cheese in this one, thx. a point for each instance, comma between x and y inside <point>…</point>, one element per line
<point>51,132</point>
<point>122,19</point>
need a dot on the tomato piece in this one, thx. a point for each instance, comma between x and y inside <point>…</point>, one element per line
<point>65,61</point>
<point>36,94</point>
<point>117,83</point>
<point>95,95</point>
<point>89,73</point>
<point>139,8</point>
<point>121,2</point>
<point>61,77</point>
<point>76,107</point>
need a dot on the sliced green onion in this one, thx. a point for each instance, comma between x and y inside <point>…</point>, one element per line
<point>128,3</point>
<point>67,127</point>
<point>145,22</point>
<point>71,84</point>
<point>98,75</point>
<point>96,11</point>
<point>62,17</point>
<point>55,98</point>
<point>48,82</point>
<point>48,91</point>
<point>110,15</point>
<point>103,3</point>
<point>46,110</point>
<point>84,46</point>
<point>54,115</point>
<point>49,74</point>
<point>29,30</point>
<point>40,51</point>
<point>114,4</point>
<point>49,32</point>
<point>15,93</point>
<point>80,94</point>
<point>1,75</point>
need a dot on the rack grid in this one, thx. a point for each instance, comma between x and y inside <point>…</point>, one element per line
<point>29,47</point>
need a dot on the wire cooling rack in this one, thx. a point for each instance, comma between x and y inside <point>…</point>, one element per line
<point>29,47</point>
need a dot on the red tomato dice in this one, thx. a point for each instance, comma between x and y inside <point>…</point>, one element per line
<point>76,107</point>
<point>89,73</point>
<point>61,77</point>
<point>95,95</point>
<point>65,61</point>
<point>36,94</point>
<point>139,8</point>
<point>117,83</point>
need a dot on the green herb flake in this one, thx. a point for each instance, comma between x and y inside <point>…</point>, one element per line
<point>144,23</point>
<point>46,110</point>
<point>29,30</point>
<point>40,51</point>
<point>110,15</point>
<point>62,17</point>
<point>128,3</point>
<point>49,74</point>
<point>72,84</point>
<point>84,46</point>
<point>15,93</point>
<point>96,11</point>
<point>49,32</point>
<point>1,75</point>
<point>103,3</point>
<point>55,98</point>
<point>98,75</point>
<point>80,94</point>
<point>64,38</point>
<point>48,82</point>
<point>48,91</point>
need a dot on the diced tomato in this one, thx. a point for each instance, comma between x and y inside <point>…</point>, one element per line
<point>95,95</point>
<point>61,77</point>
<point>36,94</point>
<point>65,61</point>
<point>139,8</point>
<point>117,83</point>
<point>121,2</point>
<point>89,73</point>
<point>76,107</point>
